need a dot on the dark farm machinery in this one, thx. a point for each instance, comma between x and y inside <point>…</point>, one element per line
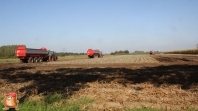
<point>94,53</point>
<point>31,55</point>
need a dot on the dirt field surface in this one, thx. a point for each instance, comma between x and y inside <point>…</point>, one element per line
<point>114,82</point>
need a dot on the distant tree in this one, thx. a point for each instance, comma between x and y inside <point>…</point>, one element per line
<point>112,53</point>
<point>139,52</point>
<point>68,53</point>
<point>197,45</point>
<point>7,51</point>
<point>126,51</point>
<point>120,52</point>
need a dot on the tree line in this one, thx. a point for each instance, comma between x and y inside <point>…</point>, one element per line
<point>8,51</point>
<point>120,52</point>
<point>68,53</point>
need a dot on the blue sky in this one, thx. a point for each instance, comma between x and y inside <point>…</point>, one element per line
<point>107,25</point>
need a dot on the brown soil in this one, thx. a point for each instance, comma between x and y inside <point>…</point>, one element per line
<point>170,83</point>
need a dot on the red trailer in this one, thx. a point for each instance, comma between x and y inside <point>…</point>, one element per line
<point>93,53</point>
<point>34,55</point>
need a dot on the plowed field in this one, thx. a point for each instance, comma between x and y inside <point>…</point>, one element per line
<point>114,82</point>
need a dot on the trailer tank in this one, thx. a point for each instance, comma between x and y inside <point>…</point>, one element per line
<point>33,55</point>
<point>93,53</point>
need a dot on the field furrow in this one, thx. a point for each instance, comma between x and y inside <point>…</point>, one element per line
<point>111,60</point>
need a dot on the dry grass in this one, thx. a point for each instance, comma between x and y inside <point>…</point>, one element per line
<point>118,97</point>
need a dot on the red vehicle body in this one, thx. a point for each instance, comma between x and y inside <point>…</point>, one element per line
<point>151,52</point>
<point>34,55</point>
<point>93,53</point>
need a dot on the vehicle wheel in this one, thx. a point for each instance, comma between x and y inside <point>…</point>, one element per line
<point>55,58</point>
<point>40,59</point>
<point>30,60</point>
<point>36,59</point>
<point>50,58</point>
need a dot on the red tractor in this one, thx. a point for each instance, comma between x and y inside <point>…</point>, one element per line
<point>34,55</point>
<point>151,52</point>
<point>94,53</point>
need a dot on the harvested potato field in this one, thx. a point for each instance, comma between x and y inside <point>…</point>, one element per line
<point>164,82</point>
<point>126,59</point>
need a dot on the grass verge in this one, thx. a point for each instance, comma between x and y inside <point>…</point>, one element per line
<point>9,60</point>
<point>73,57</point>
<point>53,102</point>
<point>57,102</point>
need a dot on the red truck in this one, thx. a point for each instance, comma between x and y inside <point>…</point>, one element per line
<point>93,53</point>
<point>34,55</point>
